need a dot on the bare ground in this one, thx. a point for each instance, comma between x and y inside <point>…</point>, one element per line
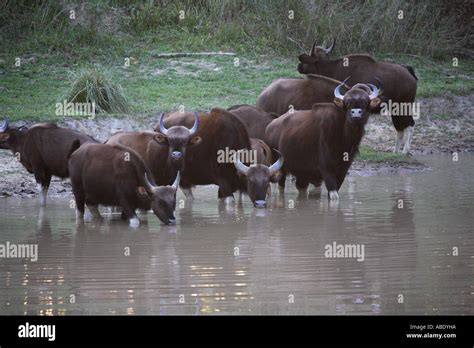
<point>446,125</point>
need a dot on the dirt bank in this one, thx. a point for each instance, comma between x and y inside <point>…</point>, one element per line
<point>446,124</point>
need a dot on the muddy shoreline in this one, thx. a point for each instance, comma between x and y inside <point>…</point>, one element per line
<point>434,133</point>
<point>16,182</point>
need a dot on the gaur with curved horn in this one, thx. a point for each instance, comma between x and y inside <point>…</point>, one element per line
<point>320,144</point>
<point>192,130</point>
<point>258,177</point>
<point>400,83</point>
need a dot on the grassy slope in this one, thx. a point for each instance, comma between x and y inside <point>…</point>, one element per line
<point>152,84</point>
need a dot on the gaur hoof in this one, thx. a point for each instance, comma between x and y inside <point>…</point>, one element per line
<point>333,196</point>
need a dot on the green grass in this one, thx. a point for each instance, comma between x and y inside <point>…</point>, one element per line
<point>150,84</point>
<point>367,153</point>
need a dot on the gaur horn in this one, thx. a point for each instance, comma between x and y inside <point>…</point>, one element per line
<point>162,125</point>
<point>375,90</point>
<point>337,91</point>
<point>275,167</point>
<point>150,187</point>
<point>329,49</point>
<point>4,125</point>
<point>311,53</point>
<point>176,181</point>
<point>196,124</point>
<point>241,168</point>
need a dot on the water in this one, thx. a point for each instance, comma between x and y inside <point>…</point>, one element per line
<point>220,260</point>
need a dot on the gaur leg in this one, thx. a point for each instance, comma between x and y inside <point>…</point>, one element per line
<point>331,182</point>
<point>281,182</point>
<point>316,191</point>
<point>129,213</point>
<point>186,187</point>
<point>225,190</point>
<point>94,210</point>
<point>80,202</point>
<point>399,142</point>
<point>409,132</point>
<point>43,179</point>
<point>301,185</point>
<point>123,216</point>
<point>126,196</point>
<point>188,192</point>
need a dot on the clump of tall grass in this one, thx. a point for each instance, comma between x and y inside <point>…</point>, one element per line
<point>93,86</point>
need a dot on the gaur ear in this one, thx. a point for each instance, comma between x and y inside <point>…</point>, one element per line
<point>375,103</point>
<point>339,103</point>
<point>276,177</point>
<point>161,139</point>
<point>195,140</point>
<point>4,137</point>
<point>142,192</point>
<point>307,59</point>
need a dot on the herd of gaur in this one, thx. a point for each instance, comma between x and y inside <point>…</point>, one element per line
<point>308,127</point>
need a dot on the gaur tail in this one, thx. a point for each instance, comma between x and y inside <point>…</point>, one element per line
<point>75,145</point>
<point>411,71</point>
<point>140,166</point>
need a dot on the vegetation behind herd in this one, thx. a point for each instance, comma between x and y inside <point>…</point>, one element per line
<point>435,29</point>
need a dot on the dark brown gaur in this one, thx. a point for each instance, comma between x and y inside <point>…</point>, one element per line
<point>283,95</point>
<point>400,81</point>
<point>163,151</point>
<point>320,144</point>
<point>258,178</point>
<point>116,176</point>
<point>43,149</point>
<point>218,130</point>
<point>176,138</point>
<point>254,119</point>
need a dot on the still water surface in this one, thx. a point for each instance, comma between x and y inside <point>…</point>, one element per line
<point>220,260</point>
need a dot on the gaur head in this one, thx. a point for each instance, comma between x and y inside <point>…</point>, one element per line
<point>359,101</point>
<point>177,138</point>
<point>8,135</point>
<point>163,199</point>
<point>258,179</point>
<point>309,62</point>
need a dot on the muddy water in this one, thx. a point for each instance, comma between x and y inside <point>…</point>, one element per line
<point>239,260</point>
